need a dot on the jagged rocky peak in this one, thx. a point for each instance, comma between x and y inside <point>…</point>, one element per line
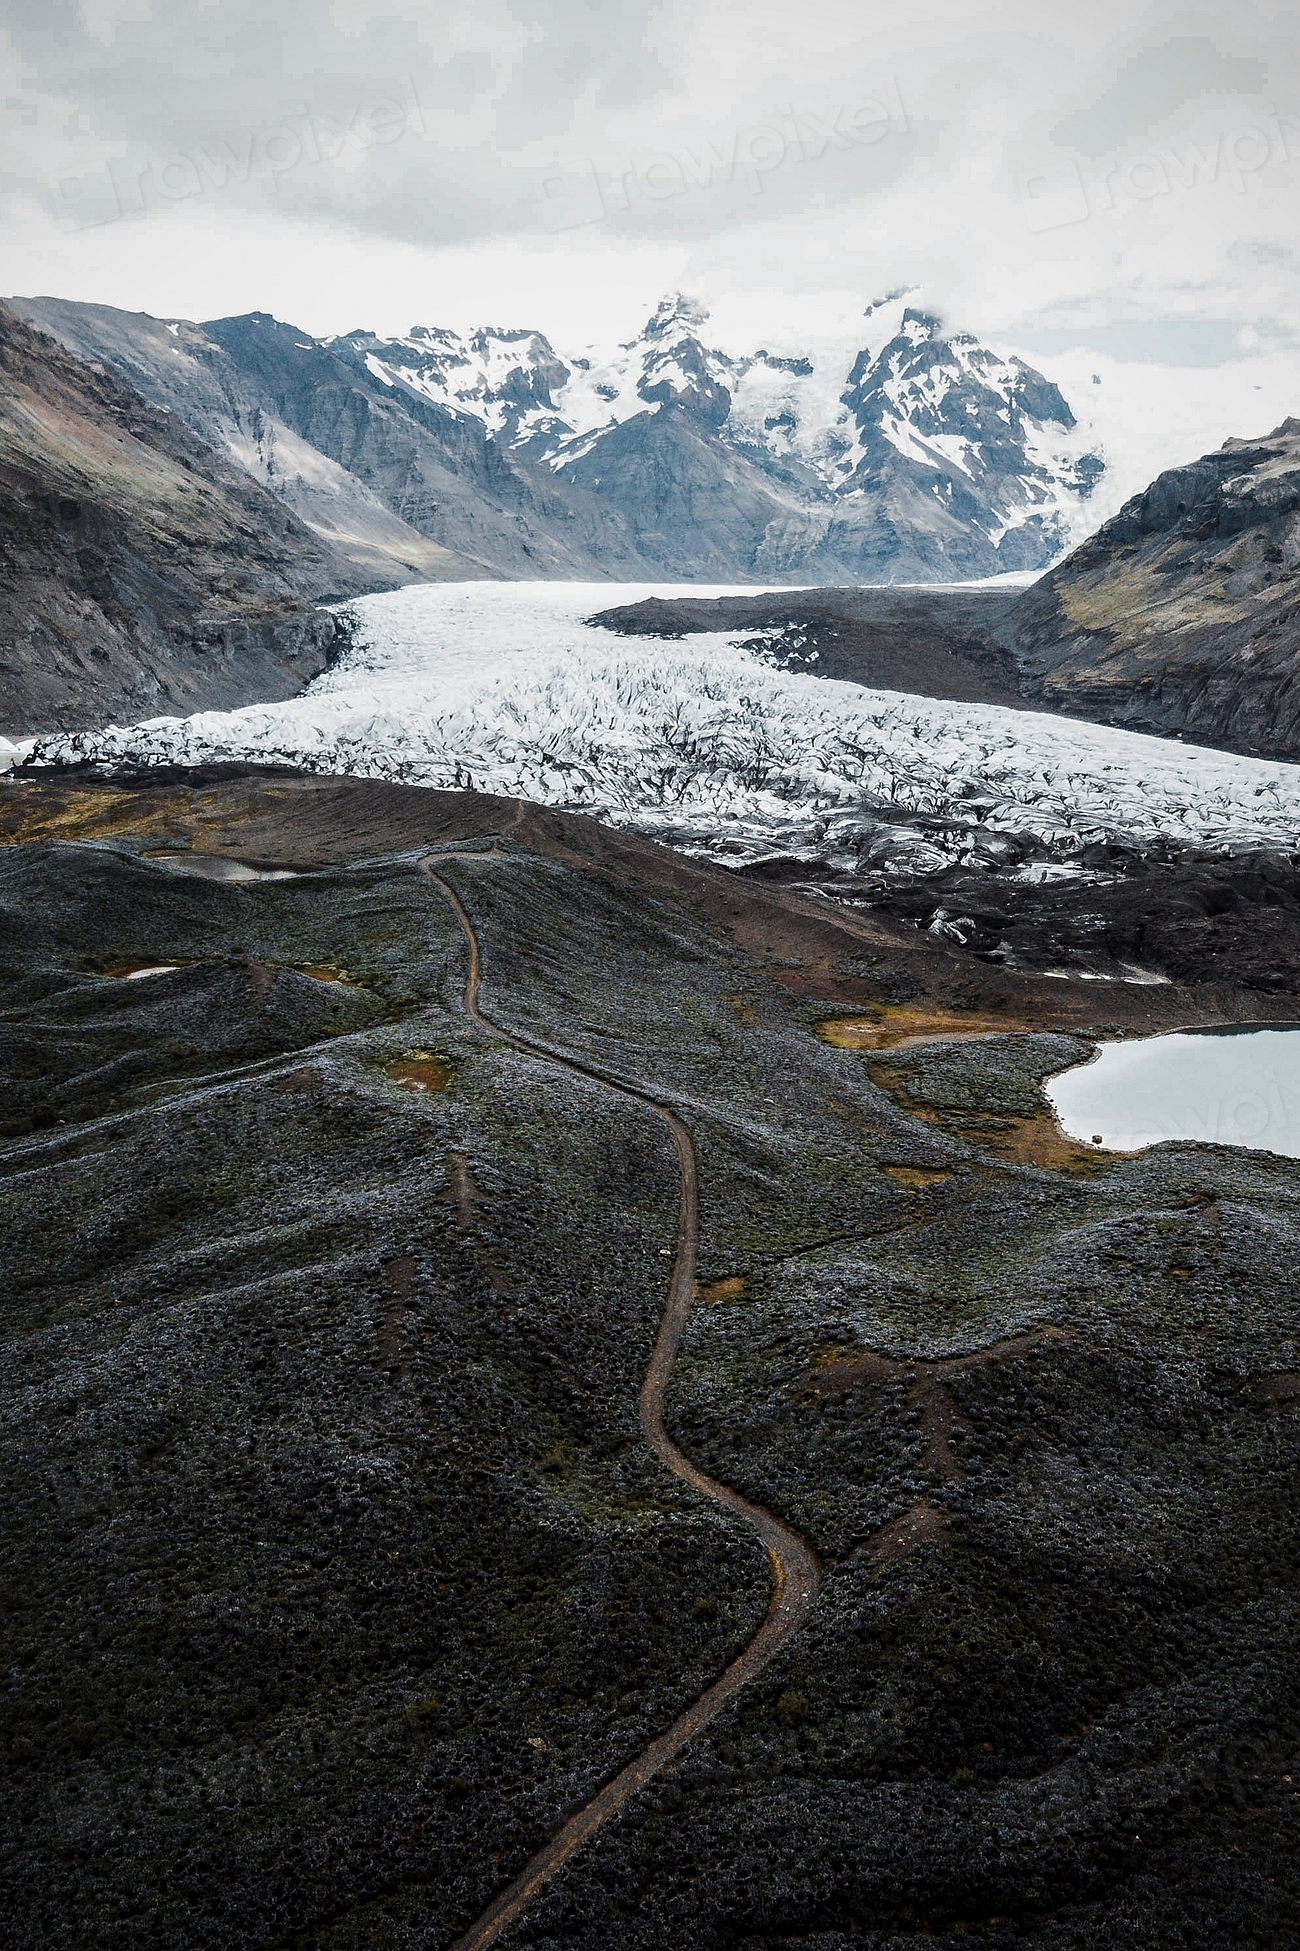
<point>504,376</point>
<point>937,413</point>
<point>944,399</point>
<point>677,369</point>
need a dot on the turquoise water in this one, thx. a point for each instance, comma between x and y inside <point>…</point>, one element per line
<point>1238,1086</point>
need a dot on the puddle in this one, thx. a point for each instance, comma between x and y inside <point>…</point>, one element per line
<point>420,1070</point>
<point>1235,1086</point>
<point>319,972</point>
<point>132,971</point>
<point>216,867</point>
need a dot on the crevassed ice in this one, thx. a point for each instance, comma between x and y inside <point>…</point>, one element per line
<point>503,688</point>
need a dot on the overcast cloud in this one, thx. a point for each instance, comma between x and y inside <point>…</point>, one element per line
<point>1123,178</point>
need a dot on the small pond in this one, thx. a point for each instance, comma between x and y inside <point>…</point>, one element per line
<point>1232,1086</point>
<point>216,867</point>
<point>132,971</point>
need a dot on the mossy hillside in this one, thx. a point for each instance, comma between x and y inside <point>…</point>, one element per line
<point>1078,1713</point>
<point>790,1136</point>
<point>76,1043</point>
<point>314,1668</point>
<point>266,1508</point>
<point>969,1082</point>
<point>261,1547</point>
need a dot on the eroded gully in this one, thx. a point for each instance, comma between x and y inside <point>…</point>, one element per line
<point>795,1571</point>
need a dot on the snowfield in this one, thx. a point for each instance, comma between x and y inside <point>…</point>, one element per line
<point>504,688</point>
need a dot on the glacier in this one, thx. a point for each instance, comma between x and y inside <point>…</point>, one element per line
<point>707,745</point>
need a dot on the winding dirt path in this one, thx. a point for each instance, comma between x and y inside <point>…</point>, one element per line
<point>796,1575</point>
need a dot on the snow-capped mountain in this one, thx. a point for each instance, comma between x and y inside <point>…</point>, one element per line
<point>919,454</point>
<point>520,389</point>
<point>503,379</point>
<point>991,431</point>
<point>921,416</point>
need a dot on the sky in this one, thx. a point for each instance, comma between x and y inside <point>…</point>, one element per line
<point>1109,189</point>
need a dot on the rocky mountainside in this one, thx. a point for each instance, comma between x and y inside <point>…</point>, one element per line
<point>927,456</point>
<point>938,418</point>
<point>931,457</point>
<point>338,1573</point>
<point>183,367</point>
<point>406,489</point>
<point>139,571</point>
<point>1182,614</point>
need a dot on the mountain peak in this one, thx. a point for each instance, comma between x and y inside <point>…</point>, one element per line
<point>675,312</point>
<point>677,369</point>
<point>920,328</point>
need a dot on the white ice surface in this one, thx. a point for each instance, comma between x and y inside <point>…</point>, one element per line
<point>502,687</point>
<point>14,753</point>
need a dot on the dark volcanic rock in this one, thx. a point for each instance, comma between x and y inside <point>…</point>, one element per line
<point>933,643</point>
<point>139,572</point>
<point>1115,915</point>
<point>1182,614</point>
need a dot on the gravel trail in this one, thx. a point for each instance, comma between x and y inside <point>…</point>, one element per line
<point>796,1574</point>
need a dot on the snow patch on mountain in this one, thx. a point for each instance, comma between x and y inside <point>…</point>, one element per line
<point>833,421</point>
<point>502,378</point>
<point>504,688</point>
<point>667,364</point>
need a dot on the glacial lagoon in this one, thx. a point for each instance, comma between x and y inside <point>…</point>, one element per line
<point>1233,1086</point>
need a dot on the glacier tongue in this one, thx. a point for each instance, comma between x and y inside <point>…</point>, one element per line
<point>503,688</point>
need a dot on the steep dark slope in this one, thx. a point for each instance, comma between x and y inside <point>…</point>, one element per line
<point>933,643</point>
<point>139,572</point>
<point>181,366</point>
<point>337,1571</point>
<point>1182,614</point>
<point>694,507</point>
